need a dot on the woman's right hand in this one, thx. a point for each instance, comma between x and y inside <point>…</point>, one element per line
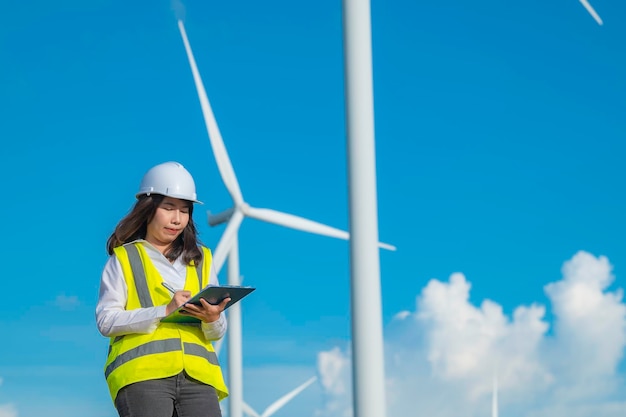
<point>178,299</point>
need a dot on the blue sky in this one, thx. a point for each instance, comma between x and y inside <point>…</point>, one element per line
<point>500,144</point>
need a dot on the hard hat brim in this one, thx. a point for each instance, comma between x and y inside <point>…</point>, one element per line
<point>177,196</point>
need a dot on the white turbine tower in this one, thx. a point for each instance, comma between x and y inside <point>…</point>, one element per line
<point>368,373</point>
<point>228,244</point>
<point>591,11</point>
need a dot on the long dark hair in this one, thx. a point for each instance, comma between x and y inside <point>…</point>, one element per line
<point>135,225</point>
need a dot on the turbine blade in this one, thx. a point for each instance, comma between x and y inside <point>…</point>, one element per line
<point>300,223</point>
<point>226,241</point>
<point>249,410</point>
<point>591,11</point>
<point>217,143</point>
<point>296,222</point>
<point>278,404</point>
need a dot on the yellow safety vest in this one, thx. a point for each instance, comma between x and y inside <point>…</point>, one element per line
<point>171,348</point>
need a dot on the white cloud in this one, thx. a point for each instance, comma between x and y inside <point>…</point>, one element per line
<point>589,319</point>
<point>402,315</point>
<point>65,302</point>
<point>179,9</point>
<point>441,358</point>
<point>590,329</point>
<point>7,410</point>
<point>333,365</point>
<point>334,369</point>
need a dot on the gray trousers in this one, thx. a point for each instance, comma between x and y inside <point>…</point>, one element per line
<point>176,396</point>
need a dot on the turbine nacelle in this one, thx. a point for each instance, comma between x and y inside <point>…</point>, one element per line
<point>224,216</point>
<point>219,218</point>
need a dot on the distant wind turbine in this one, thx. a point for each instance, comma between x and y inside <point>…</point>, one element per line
<point>494,398</point>
<point>591,11</point>
<point>278,404</point>
<point>228,246</point>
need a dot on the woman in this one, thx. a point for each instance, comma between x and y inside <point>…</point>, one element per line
<point>160,369</point>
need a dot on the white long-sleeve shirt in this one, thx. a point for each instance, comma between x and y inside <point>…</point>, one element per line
<point>112,317</point>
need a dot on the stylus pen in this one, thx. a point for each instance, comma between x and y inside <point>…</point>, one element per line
<point>169,287</point>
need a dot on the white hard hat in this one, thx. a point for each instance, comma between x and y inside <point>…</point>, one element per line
<point>170,179</point>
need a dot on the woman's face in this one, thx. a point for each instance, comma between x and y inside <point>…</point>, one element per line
<point>169,221</point>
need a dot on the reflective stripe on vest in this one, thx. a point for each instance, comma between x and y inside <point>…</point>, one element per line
<point>140,276</point>
<point>157,346</point>
<point>160,346</point>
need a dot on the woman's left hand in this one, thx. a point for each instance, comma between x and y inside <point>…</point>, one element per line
<point>206,312</point>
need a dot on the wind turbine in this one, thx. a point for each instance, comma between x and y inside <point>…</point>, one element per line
<point>591,11</point>
<point>228,245</point>
<point>278,404</point>
<point>494,397</point>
